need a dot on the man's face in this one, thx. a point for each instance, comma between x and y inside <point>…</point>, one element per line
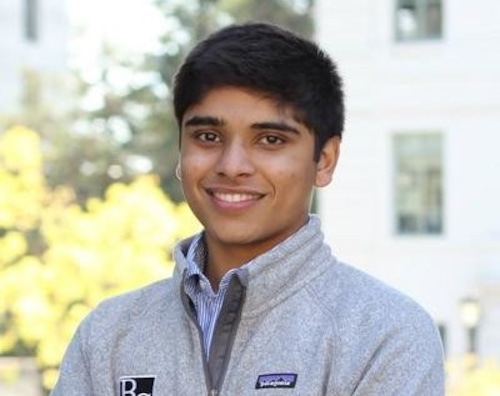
<point>247,169</point>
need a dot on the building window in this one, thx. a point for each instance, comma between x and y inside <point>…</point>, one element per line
<point>418,19</point>
<point>31,20</point>
<point>418,183</point>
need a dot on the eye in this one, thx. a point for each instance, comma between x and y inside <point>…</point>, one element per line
<point>272,140</point>
<point>208,137</point>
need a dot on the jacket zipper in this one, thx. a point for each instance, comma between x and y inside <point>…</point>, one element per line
<point>222,347</point>
<point>208,379</point>
<point>212,388</point>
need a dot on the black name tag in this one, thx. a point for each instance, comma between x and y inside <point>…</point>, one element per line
<point>281,380</point>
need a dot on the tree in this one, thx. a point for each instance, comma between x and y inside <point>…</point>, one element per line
<point>293,14</point>
<point>117,123</point>
<point>60,259</point>
<point>74,149</point>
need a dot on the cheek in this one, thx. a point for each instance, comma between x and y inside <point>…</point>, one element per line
<point>192,163</point>
<point>295,181</point>
<point>299,170</point>
<point>190,169</point>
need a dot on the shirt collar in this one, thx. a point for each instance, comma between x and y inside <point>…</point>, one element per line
<point>195,281</point>
<point>196,257</point>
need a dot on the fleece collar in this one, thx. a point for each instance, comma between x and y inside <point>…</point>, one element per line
<point>280,272</point>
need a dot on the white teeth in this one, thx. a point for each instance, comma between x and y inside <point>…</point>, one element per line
<point>235,197</point>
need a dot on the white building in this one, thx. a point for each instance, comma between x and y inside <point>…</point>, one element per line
<point>33,36</point>
<point>416,197</point>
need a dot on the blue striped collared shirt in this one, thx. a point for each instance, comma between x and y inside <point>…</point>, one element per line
<point>207,303</point>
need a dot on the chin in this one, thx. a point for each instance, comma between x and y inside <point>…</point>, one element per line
<point>235,239</point>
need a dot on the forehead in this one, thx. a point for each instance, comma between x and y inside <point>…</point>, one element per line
<point>243,103</point>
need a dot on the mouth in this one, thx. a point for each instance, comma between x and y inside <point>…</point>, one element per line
<point>235,197</point>
<point>228,198</point>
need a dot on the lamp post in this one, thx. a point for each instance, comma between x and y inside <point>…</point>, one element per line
<point>470,314</point>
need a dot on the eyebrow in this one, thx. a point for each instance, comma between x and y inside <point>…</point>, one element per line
<point>214,121</point>
<point>277,126</point>
<point>204,121</point>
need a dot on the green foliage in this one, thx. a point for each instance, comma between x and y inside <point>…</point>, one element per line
<point>60,259</point>
<point>74,151</point>
<point>115,123</point>
<point>293,14</point>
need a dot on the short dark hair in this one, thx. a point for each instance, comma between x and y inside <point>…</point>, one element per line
<point>272,60</point>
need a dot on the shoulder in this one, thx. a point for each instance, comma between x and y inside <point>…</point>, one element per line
<point>355,298</point>
<point>383,328</point>
<point>143,297</point>
<point>118,314</point>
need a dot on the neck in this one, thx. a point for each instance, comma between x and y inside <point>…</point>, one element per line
<point>221,260</point>
<point>223,257</point>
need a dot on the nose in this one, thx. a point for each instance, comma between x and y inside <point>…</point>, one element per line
<point>234,160</point>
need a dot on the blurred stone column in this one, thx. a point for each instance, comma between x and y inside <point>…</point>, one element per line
<point>19,377</point>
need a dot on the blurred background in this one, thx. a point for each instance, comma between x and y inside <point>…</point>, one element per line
<point>89,203</point>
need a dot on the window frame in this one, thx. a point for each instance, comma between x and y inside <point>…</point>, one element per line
<point>424,217</point>
<point>423,30</point>
<point>31,20</point>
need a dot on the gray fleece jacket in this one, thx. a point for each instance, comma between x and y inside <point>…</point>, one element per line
<point>298,322</point>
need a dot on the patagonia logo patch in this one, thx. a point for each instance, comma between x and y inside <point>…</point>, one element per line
<point>137,386</point>
<point>281,380</point>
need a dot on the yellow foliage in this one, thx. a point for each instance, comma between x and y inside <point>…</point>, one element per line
<point>22,186</point>
<point>12,245</point>
<point>88,253</point>
<point>469,377</point>
<point>19,150</point>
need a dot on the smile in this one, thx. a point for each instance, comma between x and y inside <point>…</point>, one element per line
<point>236,197</point>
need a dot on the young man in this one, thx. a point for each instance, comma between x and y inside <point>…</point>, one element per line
<point>258,305</point>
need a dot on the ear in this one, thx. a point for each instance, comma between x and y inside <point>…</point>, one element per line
<point>327,162</point>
